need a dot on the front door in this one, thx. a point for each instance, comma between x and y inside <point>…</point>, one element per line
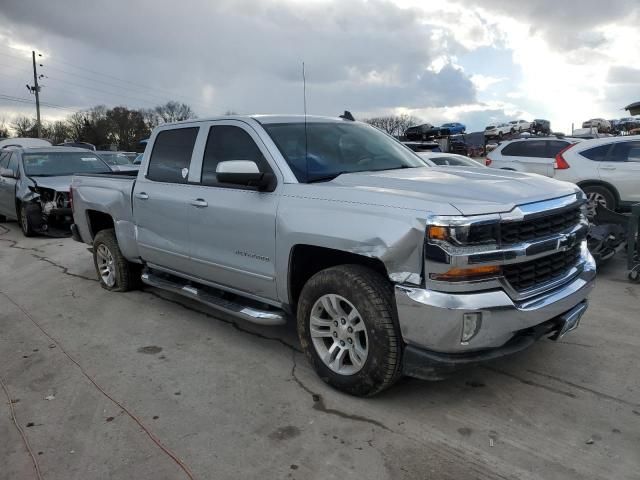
<point>621,168</point>
<point>233,228</point>
<point>8,161</point>
<point>161,200</point>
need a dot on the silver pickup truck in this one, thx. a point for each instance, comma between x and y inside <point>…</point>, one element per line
<point>389,264</point>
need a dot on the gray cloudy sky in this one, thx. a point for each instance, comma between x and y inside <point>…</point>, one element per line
<point>472,61</point>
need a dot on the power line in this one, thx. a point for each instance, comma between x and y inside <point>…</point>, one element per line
<point>166,95</point>
<point>103,91</point>
<point>101,74</point>
<point>11,98</point>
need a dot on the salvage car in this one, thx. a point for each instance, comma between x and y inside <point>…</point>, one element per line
<point>453,128</point>
<point>388,264</point>
<point>34,186</point>
<point>498,130</point>
<point>424,132</point>
<point>118,161</point>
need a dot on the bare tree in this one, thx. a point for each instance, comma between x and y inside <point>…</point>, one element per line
<point>24,127</point>
<point>174,112</point>
<point>393,124</point>
<point>4,129</point>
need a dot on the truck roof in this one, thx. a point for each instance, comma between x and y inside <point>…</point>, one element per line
<point>266,119</point>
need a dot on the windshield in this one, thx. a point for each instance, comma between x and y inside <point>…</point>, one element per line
<point>51,164</point>
<point>454,161</point>
<point>336,148</point>
<point>114,158</point>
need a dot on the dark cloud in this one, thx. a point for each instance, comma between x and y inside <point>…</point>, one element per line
<point>241,55</point>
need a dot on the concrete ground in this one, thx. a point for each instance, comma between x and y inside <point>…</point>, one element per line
<point>236,401</point>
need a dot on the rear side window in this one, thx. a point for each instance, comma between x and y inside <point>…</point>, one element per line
<point>554,147</point>
<point>625,152</point>
<point>224,143</point>
<point>527,148</point>
<point>4,159</point>
<point>171,155</point>
<point>597,154</point>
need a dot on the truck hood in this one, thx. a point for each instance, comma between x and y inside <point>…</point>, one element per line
<point>59,184</point>
<point>472,191</point>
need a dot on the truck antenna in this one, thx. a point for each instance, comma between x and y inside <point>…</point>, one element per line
<point>304,102</point>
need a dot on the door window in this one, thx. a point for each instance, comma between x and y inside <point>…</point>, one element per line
<point>224,143</point>
<point>625,152</point>
<point>171,155</point>
<point>4,160</point>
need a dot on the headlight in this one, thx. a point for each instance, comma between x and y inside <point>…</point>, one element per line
<point>464,235</point>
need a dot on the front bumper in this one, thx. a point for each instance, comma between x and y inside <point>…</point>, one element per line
<point>432,321</point>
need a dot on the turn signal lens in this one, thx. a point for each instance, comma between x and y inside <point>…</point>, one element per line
<point>438,233</point>
<point>460,274</point>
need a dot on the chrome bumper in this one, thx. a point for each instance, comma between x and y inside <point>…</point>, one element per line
<point>432,320</point>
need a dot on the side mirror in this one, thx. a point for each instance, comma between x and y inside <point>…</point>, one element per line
<point>7,173</point>
<point>243,172</point>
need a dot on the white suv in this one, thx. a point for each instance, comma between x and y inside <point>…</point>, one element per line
<point>520,125</point>
<point>498,130</point>
<point>531,154</point>
<point>607,169</point>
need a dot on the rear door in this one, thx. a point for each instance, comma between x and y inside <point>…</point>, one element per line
<point>621,168</point>
<point>161,199</point>
<point>233,228</point>
<point>8,160</point>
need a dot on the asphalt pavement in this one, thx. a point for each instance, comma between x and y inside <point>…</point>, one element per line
<point>146,385</point>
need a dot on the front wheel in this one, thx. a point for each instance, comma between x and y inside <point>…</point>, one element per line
<point>348,330</point>
<point>25,222</point>
<point>598,196</point>
<point>114,271</point>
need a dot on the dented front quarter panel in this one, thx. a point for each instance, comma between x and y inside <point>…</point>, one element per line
<point>372,223</point>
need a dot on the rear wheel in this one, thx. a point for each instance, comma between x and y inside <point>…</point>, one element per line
<point>114,271</point>
<point>3,219</point>
<point>347,328</point>
<point>599,195</point>
<point>500,135</point>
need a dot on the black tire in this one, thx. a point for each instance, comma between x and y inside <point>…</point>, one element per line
<point>372,295</point>
<point>604,193</point>
<point>24,213</point>
<point>126,274</point>
<point>3,219</point>
<point>500,135</point>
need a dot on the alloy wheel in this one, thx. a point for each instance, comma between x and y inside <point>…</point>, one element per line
<point>338,334</point>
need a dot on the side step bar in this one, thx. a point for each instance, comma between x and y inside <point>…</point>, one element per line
<point>250,314</point>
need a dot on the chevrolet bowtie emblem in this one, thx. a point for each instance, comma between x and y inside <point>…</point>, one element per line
<point>567,241</point>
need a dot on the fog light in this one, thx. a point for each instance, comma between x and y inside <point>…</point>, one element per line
<point>471,323</point>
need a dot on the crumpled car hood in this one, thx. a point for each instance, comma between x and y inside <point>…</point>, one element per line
<point>59,184</point>
<point>472,191</point>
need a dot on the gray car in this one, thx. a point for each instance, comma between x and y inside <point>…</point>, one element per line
<point>35,182</point>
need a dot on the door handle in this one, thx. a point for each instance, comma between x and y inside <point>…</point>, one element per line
<point>142,196</point>
<point>199,202</point>
<point>607,168</point>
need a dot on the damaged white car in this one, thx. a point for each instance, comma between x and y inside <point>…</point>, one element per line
<point>35,183</point>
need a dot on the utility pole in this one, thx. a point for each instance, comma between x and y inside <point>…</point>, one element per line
<point>36,91</point>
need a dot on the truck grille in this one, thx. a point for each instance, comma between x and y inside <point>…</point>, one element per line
<point>522,276</point>
<point>514,232</point>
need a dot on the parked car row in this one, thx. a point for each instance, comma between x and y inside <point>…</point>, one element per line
<point>607,169</point>
<point>426,131</point>
<point>502,129</point>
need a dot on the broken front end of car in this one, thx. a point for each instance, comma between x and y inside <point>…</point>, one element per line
<point>47,210</point>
